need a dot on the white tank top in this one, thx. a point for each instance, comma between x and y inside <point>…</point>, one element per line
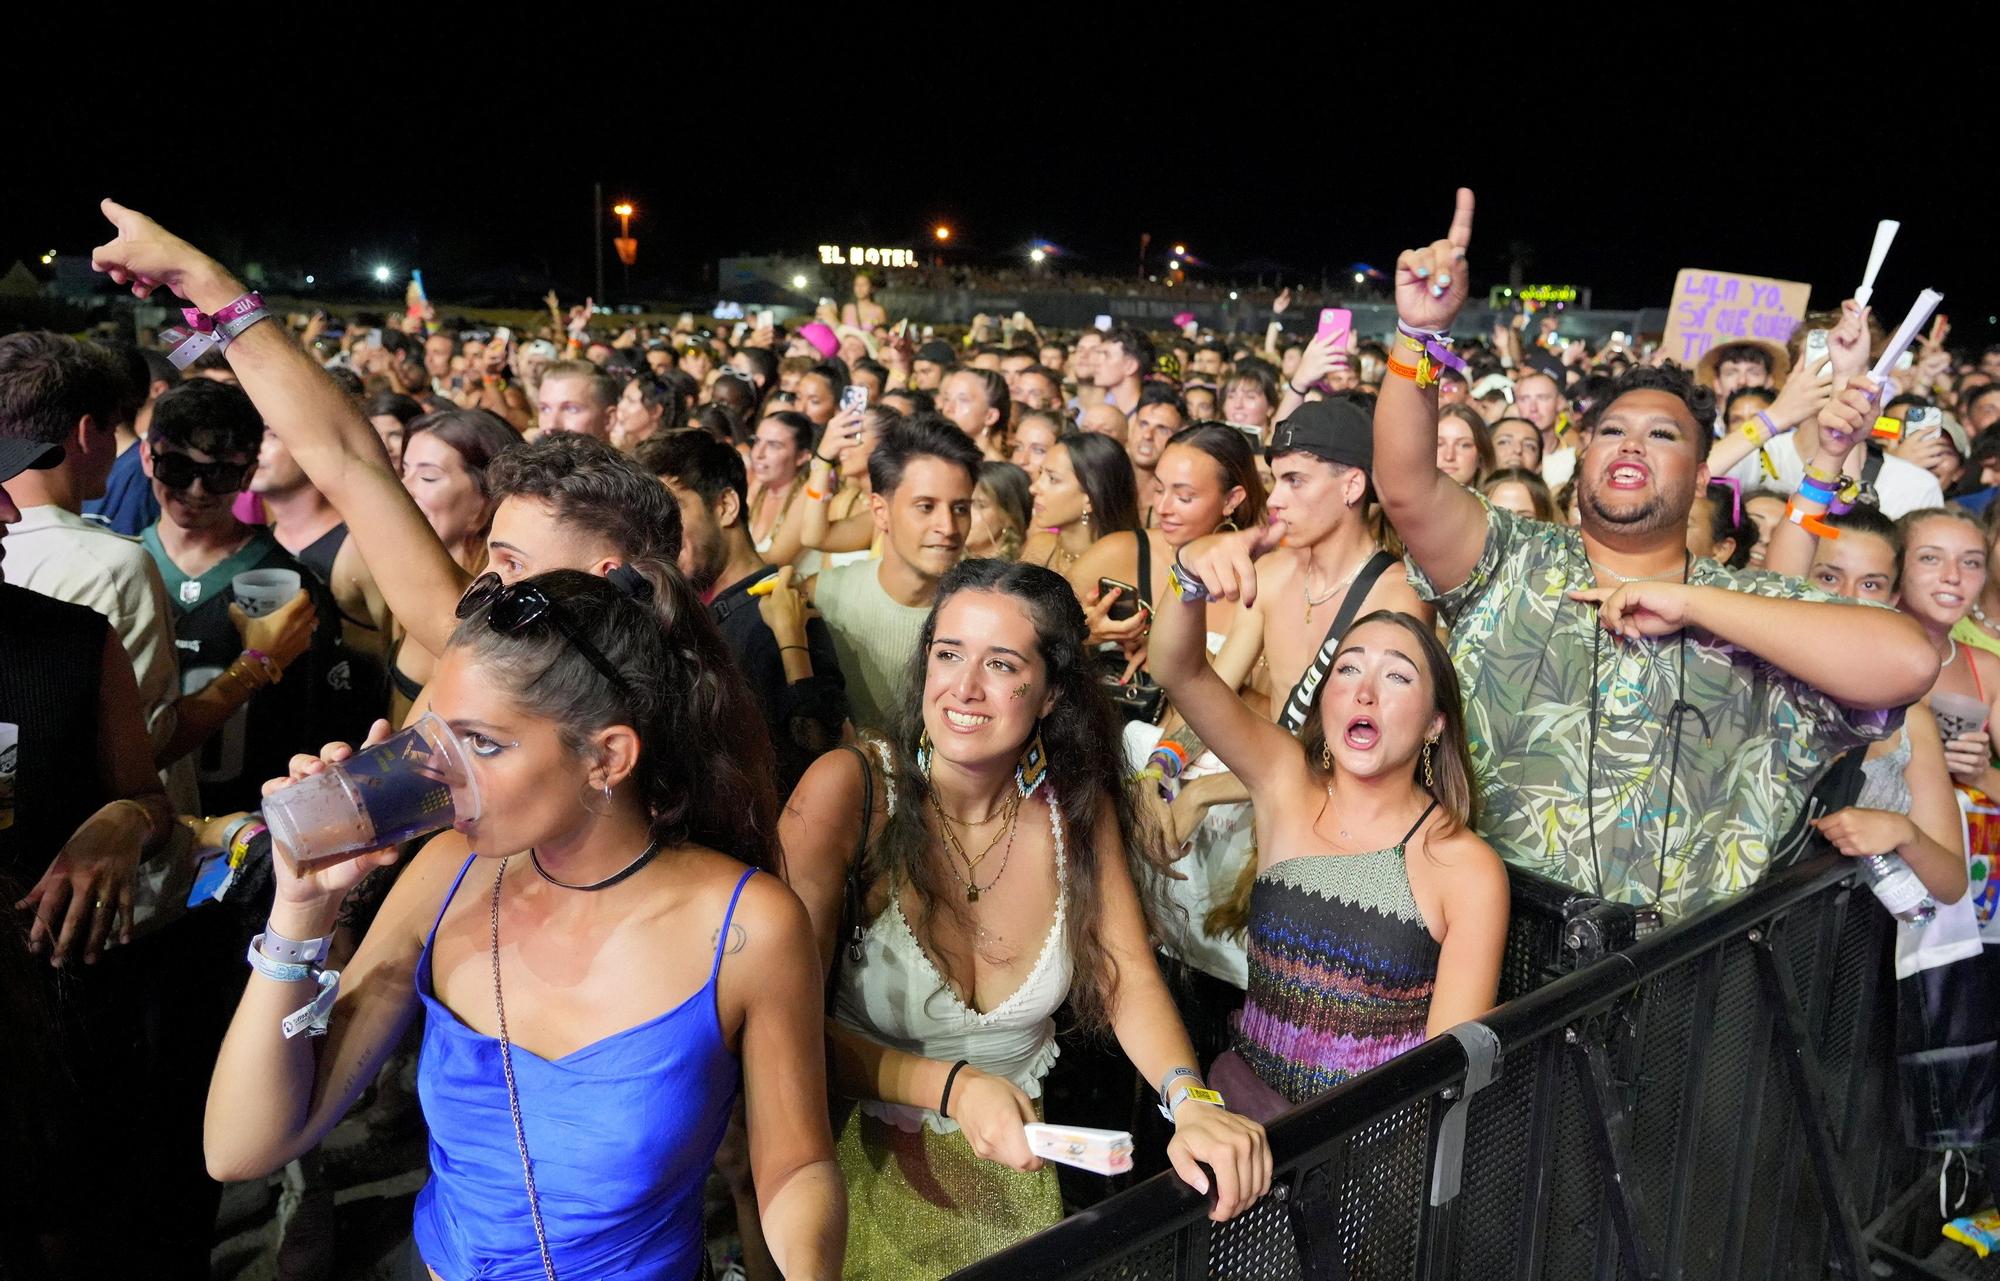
<point>895,995</point>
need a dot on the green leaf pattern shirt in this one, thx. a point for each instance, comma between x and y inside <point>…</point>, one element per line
<point>1523,651</point>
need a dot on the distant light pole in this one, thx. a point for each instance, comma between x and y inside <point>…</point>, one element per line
<point>628,248</point>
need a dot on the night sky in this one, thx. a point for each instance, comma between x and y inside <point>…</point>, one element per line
<point>458,156</point>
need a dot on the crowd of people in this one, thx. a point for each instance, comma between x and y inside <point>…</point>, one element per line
<point>1268,652</point>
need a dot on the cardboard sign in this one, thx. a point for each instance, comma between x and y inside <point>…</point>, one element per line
<point>1711,307</point>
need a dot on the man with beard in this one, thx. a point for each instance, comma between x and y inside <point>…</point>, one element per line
<point>1642,724</point>
<point>788,660</point>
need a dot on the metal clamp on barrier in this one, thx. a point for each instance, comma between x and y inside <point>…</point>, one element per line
<point>1482,1064</point>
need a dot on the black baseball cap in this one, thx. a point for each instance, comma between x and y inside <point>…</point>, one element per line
<point>17,456</point>
<point>1337,430</point>
<point>937,353</point>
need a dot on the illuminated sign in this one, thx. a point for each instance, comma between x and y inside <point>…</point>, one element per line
<point>1546,293</point>
<point>856,256</point>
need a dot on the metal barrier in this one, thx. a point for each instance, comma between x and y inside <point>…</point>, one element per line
<point>1714,1100</point>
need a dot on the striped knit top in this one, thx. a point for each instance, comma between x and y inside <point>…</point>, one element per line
<point>1341,969</point>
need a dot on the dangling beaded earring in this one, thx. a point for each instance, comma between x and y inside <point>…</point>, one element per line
<point>1430,779</point>
<point>1034,765</point>
<point>924,754</point>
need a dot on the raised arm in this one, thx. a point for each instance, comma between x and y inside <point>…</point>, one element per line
<point>1252,747</point>
<point>323,428</point>
<point>1441,522</point>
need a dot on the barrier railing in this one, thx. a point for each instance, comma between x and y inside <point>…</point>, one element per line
<point>1714,1099</point>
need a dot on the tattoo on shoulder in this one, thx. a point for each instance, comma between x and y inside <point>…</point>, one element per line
<point>736,939</point>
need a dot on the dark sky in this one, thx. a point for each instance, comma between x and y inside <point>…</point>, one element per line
<point>467,155</point>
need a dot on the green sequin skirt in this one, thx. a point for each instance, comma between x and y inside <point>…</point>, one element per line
<point>921,1206</point>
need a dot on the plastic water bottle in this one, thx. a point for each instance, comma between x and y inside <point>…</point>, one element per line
<point>1898,888</point>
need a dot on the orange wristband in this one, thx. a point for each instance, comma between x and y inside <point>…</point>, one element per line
<point>1810,523</point>
<point>1402,370</point>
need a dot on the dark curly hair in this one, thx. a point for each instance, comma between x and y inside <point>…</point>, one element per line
<point>1676,382</point>
<point>1082,736</point>
<point>706,782</point>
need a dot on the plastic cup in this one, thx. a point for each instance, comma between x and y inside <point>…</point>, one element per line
<point>410,784</point>
<point>263,591</point>
<point>1958,714</point>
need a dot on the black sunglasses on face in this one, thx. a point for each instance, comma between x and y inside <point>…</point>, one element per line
<point>512,606</point>
<point>178,472</point>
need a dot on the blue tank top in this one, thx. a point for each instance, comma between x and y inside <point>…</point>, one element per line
<point>621,1132</point>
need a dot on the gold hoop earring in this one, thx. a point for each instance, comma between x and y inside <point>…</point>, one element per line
<point>1430,779</point>
<point>1228,525</point>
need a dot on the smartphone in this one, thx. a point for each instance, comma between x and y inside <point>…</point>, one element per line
<point>1102,324</point>
<point>854,397</point>
<point>1816,346</point>
<point>766,320</point>
<point>902,328</point>
<point>1128,602</point>
<point>686,321</point>
<point>1619,338</point>
<point>503,335</point>
<point>1923,420</point>
<point>736,334</point>
<point>374,338</point>
<point>1335,324</point>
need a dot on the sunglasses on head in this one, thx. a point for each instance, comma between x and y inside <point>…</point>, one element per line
<point>511,607</point>
<point>178,472</point>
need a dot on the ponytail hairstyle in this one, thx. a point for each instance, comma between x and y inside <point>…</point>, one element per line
<point>1081,736</point>
<point>704,780</point>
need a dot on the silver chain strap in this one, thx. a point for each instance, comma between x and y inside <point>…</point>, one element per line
<point>513,1094</point>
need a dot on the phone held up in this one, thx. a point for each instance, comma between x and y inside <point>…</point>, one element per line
<point>855,396</point>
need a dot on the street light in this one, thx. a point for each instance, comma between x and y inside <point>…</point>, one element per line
<point>1036,256</point>
<point>381,275</point>
<point>1180,251</point>
<point>799,281</point>
<point>309,280</point>
<point>1360,278</point>
<point>1173,264</point>
<point>943,233</point>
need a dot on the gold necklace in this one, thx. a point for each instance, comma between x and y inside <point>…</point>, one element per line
<point>1306,579</point>
<point>970,880</point>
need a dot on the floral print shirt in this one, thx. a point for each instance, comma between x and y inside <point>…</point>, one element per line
<point>1752,746</point>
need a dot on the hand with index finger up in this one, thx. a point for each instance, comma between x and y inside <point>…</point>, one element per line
<point>1431,283</point>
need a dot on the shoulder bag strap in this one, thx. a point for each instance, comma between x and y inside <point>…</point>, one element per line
<point>1294,714</point>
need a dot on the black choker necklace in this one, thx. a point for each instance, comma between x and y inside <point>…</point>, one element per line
<point>645,857</point>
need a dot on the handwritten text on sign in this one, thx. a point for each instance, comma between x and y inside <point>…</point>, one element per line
<point>1712,307</point>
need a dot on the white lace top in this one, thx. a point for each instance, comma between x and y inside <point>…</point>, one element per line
<point>897,997</point>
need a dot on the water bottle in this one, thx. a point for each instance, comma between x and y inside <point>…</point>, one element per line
<point>1898,888</point>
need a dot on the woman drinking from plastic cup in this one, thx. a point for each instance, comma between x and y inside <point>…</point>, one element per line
<point>598,963</point>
